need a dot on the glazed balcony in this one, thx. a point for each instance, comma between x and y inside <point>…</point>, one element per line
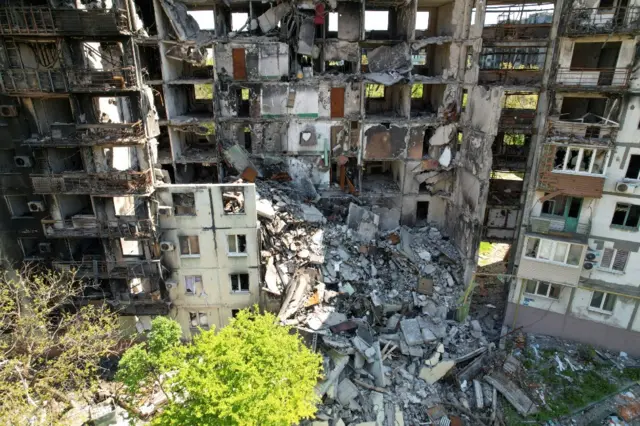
<point>591,21</point>
<point>596,79</point>
<point>100,269</point>
<point>83,226</point>
<point>37,20</point>
<point>88,80</point>
<point>31,81</point>
<point>112,183</point>
<point>602,134</point>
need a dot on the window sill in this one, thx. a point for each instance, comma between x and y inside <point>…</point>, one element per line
<point>624,228</point>
<point>237,254</point>
<point>611,271</point>
<point>240,292</point>
<point>535,259</point>
<point>570,172</point>
<point>189,256</point>
<point>235,214</point>
<point>599,311</point>
<point>543,297</point>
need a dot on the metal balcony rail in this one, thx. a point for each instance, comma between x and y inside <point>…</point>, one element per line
<point>16,81</point>
<point>37,20</point>
<point>109,269</point>
<point>63,134</point>
<point>601,134</point>
<point>603,20</point>
<point>106,80</point>
<point>600,78</point>
<point>111,132</point>
<point>89,226</point>
<point>126,182</point>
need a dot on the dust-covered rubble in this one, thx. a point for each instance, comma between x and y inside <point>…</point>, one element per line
<point>381,307</point>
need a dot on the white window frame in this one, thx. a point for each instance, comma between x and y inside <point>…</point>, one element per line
<point>237,253</point>
<point>537,286</point>
<point>190,254</point>
<point>196,279</point>
<point>605,296</point>
<point>552,252</point>
<point>237,286</point>
<point>612,260</point>
<point>567,169</point>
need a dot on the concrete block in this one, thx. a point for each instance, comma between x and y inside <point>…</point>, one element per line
<point>411,331</point>
<point>347,391</point>
<point>433,374</point>
<point>377,401</point>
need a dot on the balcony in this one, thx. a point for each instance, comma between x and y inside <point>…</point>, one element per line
<point>511,77</point>
<point>591,21</point>
<point>602,133</point>
<point>78,135</point>
<point>100,269</point>
<point>31,81</point>
<point>116,79</point>
<point>597,79</point>
<point>549,258</point>
<point>36,20</point>
<point>113,184</point>
<point>88,226</point>
<point>559,226</point>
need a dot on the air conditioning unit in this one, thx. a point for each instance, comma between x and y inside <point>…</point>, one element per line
<point>8,111</point>
<point>22,161</point>
<point>165,210</point>
<point>591,256</point>
<point>35,206</point>
<point>167,246</point>
<point>169,284</point>
<point>44,248</point>
<point>625,187</point>
<point>588,265</point>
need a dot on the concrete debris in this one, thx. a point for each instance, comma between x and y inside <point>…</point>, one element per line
<point>269,20</point>
<point>443,135</point>
<point>385,58</point>
<point>381,301</point>
<point>520,401</point>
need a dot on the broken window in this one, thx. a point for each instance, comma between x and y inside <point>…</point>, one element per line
<point>233,199</point>
<point>243,96</point>
<point>542,288</point>
<point>198,319</point>
<point>375,91</point>
<point>124,206</point>
<point>422,210</point>
<point>189,246</point>
<point>626,215</point>
<point>553,251</point>
<point>191,283</point>
<point>237,244</point>
<point>422,21</point>
<point>602,301</point>
<point>333,22</point>
<point>580,160</point>
<point>341,66</point>
<point>131,248</point>
<point>184,204</point>
<point>239,282</point>
<point>417,91</point>
<point>204,18</point>
<point>203,91</point>
<point>234,313</point>
<point>247,139</point>
<point>239,21</point>
<point>520,101</point>
<point>633,169</point>
<point>376,20</point>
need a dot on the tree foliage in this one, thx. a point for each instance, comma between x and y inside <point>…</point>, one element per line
<point>252,372</point>
<point>49,348</point>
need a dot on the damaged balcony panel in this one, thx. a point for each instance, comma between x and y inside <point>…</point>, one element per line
<point>594,131</point>
<point>116,79</point>
<point>100,269</point>
<point>29,81</point>
<point>516,66</point>
<point>385,143</point>
<point>114,183</point>
<point>591,21</point>
<point>86,226</point>
<point>524,21</point>
<point>38,20</point>
<point>596,79</point>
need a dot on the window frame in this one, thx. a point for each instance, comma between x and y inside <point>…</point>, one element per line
<point>626,227</point>
<point>196,279</point>
<point>198,315</point>
<point>188,239</point>
<point>605,298</point>
<point>576,168</point>
<point>552,252</point>
<point>236,253</point>
<point>612,260</point>
<point>629,165</point>
<point>537,287</point>
<point>239,289</point>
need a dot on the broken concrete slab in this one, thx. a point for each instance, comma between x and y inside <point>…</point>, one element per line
<point>311,214</point>
<point>445,157</point>
<point>432,374</point>
<point>265,209</point>
<point>363,221</point>
<point>411,331</point>
<point>364,348</point>
<point>270,19</point>
<point>443,135</point>
<point>520,401</point>
<point>390,58</point>
<point>347,391</point>
<point>477,388</point>
<point>376,368</point>
<point>271,278</point>
<point>341,362</point>
<point>377,401</point>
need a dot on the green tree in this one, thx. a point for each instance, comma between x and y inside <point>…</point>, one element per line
<point>252,372</point>
<point>50,348</point>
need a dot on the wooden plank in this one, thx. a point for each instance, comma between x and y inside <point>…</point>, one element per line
<point>512,393</point>
<point>337,102</point>
<point>239,64</point>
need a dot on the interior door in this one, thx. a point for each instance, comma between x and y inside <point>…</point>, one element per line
<point>337,102</point>
<point>239,64</point>
<point>572,214</point>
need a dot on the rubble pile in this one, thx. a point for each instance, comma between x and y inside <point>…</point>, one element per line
<point>379,306</point>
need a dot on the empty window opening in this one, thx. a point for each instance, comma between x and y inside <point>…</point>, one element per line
<point>375,91</point>
<point>74,205</point>
<point>542,288</point>
<point>239,282</point>
<point>580,160</point>
<point>189,245</point>
<point>203,91</point>
<point>19,206</point>
<point>233,199</point>
<point>131,248</point>
<point>422,210</point>
<point>633,169</point>
<point>381,176</point>
<point>626,216</point>
<point>333,22</point>
<point>603,301</point>
<point>419,60</point>
<point>590,56</point>
<point>192,283</point>
<point>198,320</point>
<point>184,204</point>
<point>234,313</point>
<point>29,247</point>
<point>422,21</point>
<point>239,21</point>
<point>204,18</point>
<point>237,243</point>
<point>125,206</point>
<point>247,139</point>
<point>341,66</point>
<point>243,96</point>
<point>376,20</point>
<point>428,133</point>
<point>520,101</point>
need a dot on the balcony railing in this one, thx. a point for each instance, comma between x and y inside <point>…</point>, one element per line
<point>99,269</point>
<point>105,80</point>
<point>37,20</point>
<point>114,183</point>
<point>559,226</point>
<point>579,132</point>
<point>72,135</point>
<point>603,21</point>
<point>17,81</point>
<point>593,78</point>
<point>89,226</point>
